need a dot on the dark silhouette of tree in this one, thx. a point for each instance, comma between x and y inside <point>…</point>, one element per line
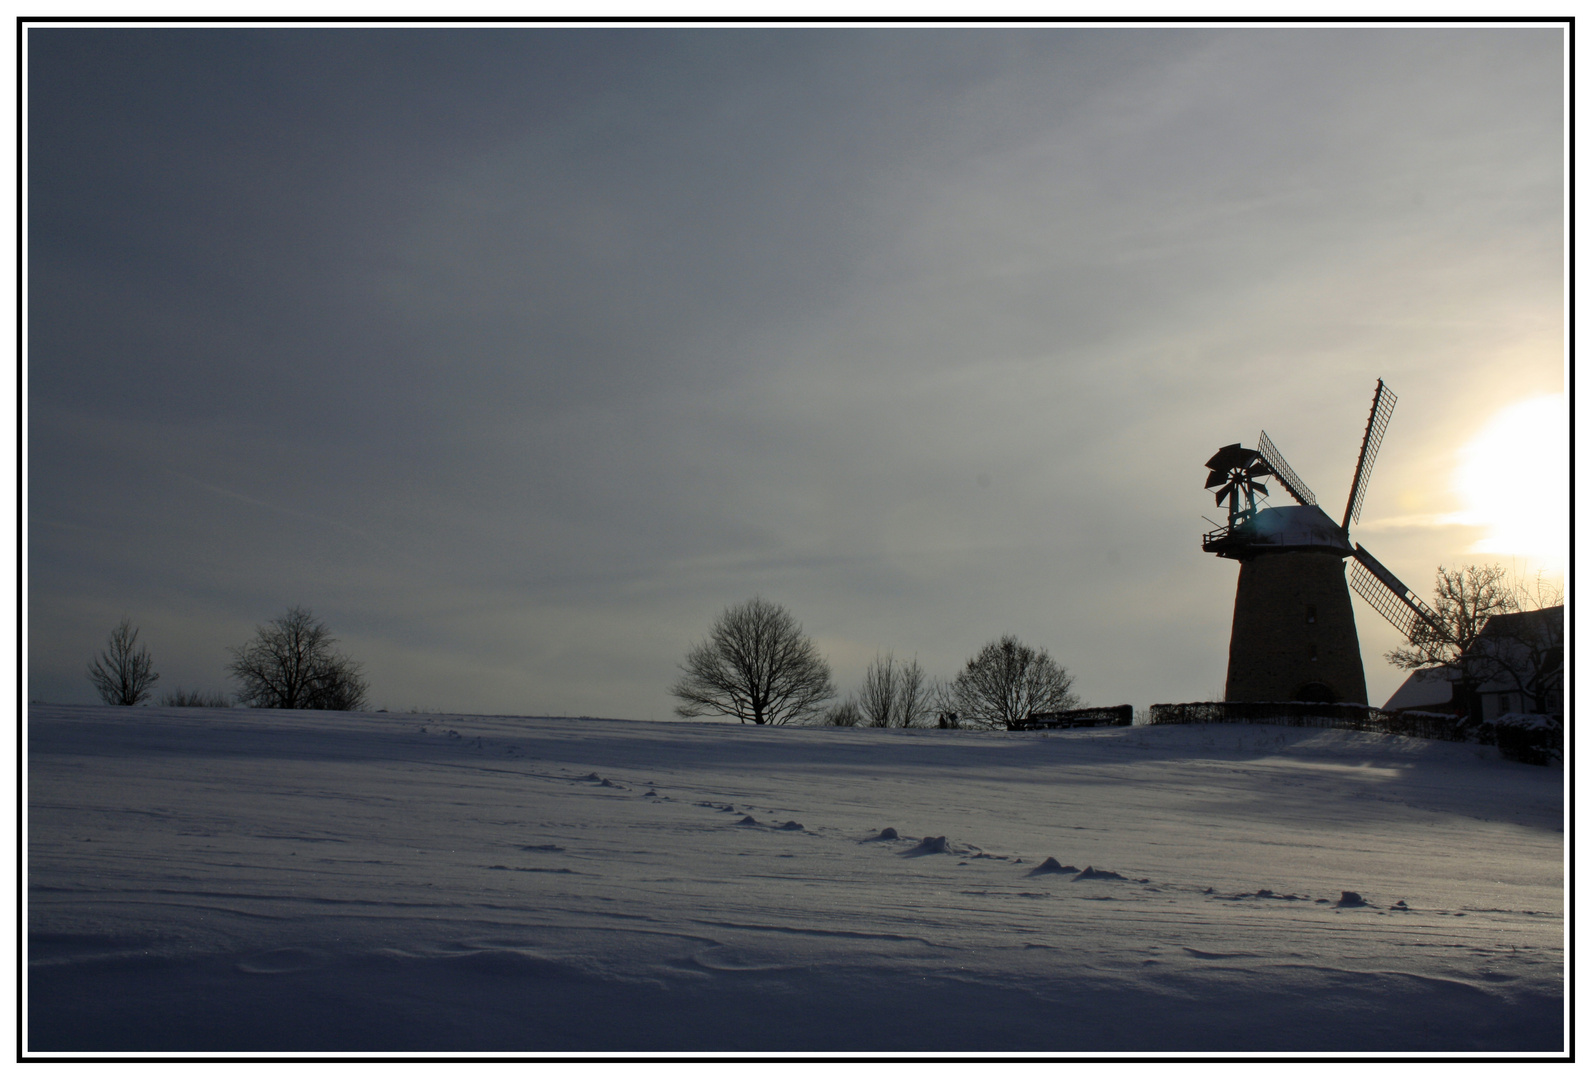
<point>123,674</point>
<point>1009,681</point>
<point>757,666</point>
<point>841,714</point>
<point>1464,600</point>
<point>894,695</point>
<point>290,664</point>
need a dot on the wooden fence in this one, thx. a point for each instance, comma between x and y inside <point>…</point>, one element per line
<point>1534,745</point>
<point>1099,716</point>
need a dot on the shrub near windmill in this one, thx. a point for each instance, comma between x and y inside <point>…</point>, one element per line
<point>1293,625</point>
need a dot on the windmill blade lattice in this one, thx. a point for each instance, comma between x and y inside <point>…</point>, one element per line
<point>1381,411</point>
<point>1284,472</point>
<point>1392,599</point>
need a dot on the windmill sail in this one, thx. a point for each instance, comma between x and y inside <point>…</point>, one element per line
<point>1284,472</point>
<point>1392,599</point>
<point>1381,411</point>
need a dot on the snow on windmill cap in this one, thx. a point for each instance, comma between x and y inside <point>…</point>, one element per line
<point>1292,527</point>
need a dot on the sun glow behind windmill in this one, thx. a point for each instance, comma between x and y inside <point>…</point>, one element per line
<point>1293,634</point>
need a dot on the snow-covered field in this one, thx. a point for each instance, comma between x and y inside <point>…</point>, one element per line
<point>262,881</point>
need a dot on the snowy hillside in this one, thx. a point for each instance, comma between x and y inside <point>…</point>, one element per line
<point>258,881</point>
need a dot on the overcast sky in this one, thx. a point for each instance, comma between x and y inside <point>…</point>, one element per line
<point>518,354</point>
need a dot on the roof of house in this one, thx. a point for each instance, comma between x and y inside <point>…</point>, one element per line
<point>1548,619</point>
<point>1424,689</point>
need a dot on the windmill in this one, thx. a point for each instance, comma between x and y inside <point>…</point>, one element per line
<point>1293,625</point>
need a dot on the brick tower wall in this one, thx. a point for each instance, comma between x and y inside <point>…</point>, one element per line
<point>1293,627</point>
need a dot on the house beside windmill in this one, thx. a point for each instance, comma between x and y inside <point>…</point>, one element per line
<point>1516,662</point>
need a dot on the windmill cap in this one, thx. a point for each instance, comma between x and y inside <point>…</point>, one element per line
<point>1278,527</point>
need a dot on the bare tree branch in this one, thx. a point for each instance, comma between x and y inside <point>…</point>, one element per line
<point>878,698</point>
<point>1464,600</point>
<point>913,694</point>
<point>893,694</point>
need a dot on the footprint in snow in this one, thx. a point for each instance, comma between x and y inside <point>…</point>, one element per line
<point>1051,866</point>
<point>748,820</point>
<point>1351,899</point>
<point>792,826</point>
<point>930,845</point>
<point>884,834</point>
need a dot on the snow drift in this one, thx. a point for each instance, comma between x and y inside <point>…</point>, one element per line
<point>257,881</point>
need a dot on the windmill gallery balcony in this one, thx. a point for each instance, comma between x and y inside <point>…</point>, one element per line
<point>1278,528</point>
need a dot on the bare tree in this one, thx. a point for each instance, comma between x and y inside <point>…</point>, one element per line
<point>893,695</point>
<point>841,714</point>
<point>1009,681</point>
<point>878,698</point>
<point>123,674</point>
<point>942,702</point>
<point>1464,600</point>
<point>290,664</point>
<point>914,695</point>
<point>757,666</point>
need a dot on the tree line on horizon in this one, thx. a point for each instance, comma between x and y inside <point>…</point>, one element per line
<point>758,666</point>
<point>290,663</point>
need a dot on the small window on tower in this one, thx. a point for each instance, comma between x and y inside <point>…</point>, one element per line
<point>1313,651</point>
<point>1310,616</point>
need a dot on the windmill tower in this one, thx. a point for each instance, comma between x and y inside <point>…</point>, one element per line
<point>1293,625</point>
